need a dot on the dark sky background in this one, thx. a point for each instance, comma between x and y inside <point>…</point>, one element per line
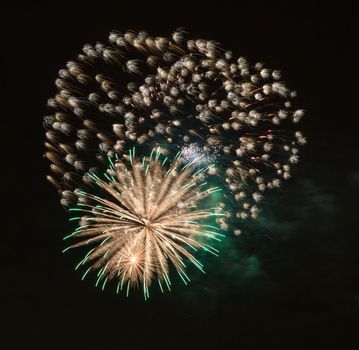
<point>290,281</point>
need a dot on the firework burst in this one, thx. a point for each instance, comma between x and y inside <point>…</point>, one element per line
<point>176,95</point>
<point>148,216</point>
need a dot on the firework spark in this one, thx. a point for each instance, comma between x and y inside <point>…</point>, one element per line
<point>150,218</point>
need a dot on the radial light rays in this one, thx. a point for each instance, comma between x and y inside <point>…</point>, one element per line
<point>147,218</point>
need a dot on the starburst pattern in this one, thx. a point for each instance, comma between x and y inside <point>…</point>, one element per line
<point>147,218</point>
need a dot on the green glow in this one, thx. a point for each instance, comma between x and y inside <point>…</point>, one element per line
<point>214,227</point>
<point>192,162</point>
<point>80,263</point>
<point>152,153</point>
<point>66,237</point>
<point>199,171</point>
<point>104,283</point>
<point>177,154</point>
<point>118,287</point>
<point>157,155</point>
<point>75,218</point>
<point>84,275</point>
<point>167,280</point>
<point>184,273</point>
<point>182,263</point>
<point>195,249</point>
<point>89,252</point>
<point>210,251</point>
<point>111,163</point>
<point>105,240</point>
<point>81,227</point>
<point>188,186</point>
<point>159,282</point>
<point>98,280</point>
<point>106,253</point>
<point>180,274</point>
<point>216,239</point>
<point>99,273</point>
<point>107,177</point>
<point>146,292</point>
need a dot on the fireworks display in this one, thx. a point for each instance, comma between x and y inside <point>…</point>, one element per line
<point>222,120</point>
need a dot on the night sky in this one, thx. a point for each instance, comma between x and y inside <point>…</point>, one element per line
<point>290,281</point>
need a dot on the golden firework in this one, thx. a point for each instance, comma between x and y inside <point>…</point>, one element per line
<point>148,219</point>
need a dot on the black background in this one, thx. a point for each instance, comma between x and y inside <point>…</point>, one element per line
<point>306,293</point>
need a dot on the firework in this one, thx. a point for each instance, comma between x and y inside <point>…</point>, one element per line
<point>176,95</point>
<point>149,218</point>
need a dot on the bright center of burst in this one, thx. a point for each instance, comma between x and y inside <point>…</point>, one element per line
<point>147,223</point>
<point>133,259</point>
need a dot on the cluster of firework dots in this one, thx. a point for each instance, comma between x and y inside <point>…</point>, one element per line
<point>221,119</point>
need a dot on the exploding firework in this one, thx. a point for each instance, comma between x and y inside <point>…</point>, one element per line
<point>175,95</point>
<point>151,215</point>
